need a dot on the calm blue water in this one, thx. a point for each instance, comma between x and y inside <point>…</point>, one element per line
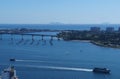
<point>60,27</point>
<point>62,60</point>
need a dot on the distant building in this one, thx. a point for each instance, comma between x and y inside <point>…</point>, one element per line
<point>95,29</point>
<point>119,29</point>
<point>110,29</point>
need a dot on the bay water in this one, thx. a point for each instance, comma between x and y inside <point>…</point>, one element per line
<point>59,60</point>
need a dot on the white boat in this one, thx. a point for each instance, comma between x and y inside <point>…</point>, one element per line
<point>9,73</point>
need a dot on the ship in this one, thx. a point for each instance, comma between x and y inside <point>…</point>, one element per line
<point>9,73</point>
<point>101,70</point>
<point>12,59</point>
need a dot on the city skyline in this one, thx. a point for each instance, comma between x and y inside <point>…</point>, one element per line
<point>59,11</point>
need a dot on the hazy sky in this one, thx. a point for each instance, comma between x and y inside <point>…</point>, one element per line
<point>64,11</point>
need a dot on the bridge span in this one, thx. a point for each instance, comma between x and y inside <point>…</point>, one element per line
<point>29,34</point>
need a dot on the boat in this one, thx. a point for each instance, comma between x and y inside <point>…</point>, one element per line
<point>9,73</point>
<point>101,70</point>
<point>12,59</point>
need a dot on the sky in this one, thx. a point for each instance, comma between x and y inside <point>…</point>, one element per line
<point>59,11</point>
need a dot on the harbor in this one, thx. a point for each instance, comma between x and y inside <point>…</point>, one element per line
<point>59,60</point>
<point>59,39</point>
<point>105,38</point>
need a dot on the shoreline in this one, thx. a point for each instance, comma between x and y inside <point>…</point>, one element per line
<point>97,43</point>
<point>80,40</point>
<point>102,45</point>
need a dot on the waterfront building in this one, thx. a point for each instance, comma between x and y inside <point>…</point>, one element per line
<point>95,29</point>
<point>110,29</point>
<point>119,29</point>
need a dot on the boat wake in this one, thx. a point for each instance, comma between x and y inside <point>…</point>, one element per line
<point>54,67</point>
<point>62,68</point>
<point>34,61</point>
<point>30,61</point>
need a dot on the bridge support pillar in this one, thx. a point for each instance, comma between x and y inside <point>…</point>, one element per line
<point>51,38</point>
<point>32,37</point>
<point>0,36</point>
<point>22,37</point>
<point>42,37</point>
<point>11,36</point>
